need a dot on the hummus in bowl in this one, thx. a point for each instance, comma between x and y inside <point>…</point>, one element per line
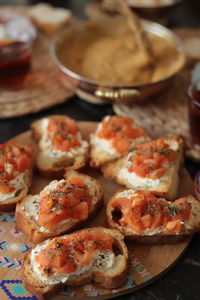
<point>104,54</point>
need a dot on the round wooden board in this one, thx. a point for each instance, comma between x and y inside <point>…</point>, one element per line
<point>147,263</point>
<point>42,88</point>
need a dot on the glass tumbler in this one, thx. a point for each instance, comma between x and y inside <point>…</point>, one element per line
<point>16,37</point>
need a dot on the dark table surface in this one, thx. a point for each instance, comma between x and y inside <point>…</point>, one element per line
<point>182,282</point>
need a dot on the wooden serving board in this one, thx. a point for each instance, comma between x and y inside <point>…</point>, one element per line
<point>147,263</point>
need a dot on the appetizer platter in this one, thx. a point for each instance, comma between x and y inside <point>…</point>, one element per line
<point>116,266</point>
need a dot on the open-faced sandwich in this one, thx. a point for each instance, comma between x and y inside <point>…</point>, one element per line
<point>115,137</point>
<point>96,255</point>
<point>147,219</point>
<point>60,146</point>
<point>152,166</point>
<point>15,173</point>
<point>61,207</point>
<point>48,18</point>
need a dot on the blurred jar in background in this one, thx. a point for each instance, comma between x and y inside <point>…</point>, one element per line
<point>194,111</point>
<point>15,62</point>
<point>16,37</point>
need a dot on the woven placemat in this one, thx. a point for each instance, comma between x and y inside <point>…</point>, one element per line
<point>41,90</point>
<point>166,114</point>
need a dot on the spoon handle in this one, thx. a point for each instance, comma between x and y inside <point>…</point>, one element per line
<point>135,25</point>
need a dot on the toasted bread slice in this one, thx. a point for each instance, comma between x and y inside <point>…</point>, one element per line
<point>107,266</point>
<point>146,219</point>
<point>15,174</point>
<point>159,162</point>
<point>32,224</point>
<point>115,137</point>
<point>60,147</point>
<point>48,18</point>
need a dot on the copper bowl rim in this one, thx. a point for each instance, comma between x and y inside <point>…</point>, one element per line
<point>148,24</point>
<point>143,6</point>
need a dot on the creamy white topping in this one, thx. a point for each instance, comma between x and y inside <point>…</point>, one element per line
<point>189,225</point>
<point>31,205</point>
<point>52,186</point>
<point>46,145</point>
<point>31,209</point>
<point>131,178</point>
<point>97,262</point>
<point>127,194</point>
<point>18,183</point>
<point>106,144</point>
<point>139,182</point>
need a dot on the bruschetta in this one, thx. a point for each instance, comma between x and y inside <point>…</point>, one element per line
<point>93,255</point>
<point>61,207</point>
<point>60,146</point>
<point>47,18</point>
<point>115,137</point>
<point>15,173</point>
<point>147,219</point>
<point>152,166</point>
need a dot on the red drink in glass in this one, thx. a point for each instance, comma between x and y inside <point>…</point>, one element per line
<point>15,61</point>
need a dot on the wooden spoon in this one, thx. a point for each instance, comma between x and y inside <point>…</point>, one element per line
<point>136,27</point>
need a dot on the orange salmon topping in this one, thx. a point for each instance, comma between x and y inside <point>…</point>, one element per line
<point>63,255</point>
<point>68,200</point>
<point>152,159</point>
<point>120,131</point>
<point>14,159</point>
<point>63,134</point>
<point>144,211</point>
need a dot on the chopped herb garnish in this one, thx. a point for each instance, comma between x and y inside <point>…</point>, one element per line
<point>47,270</point>
<point>173,210</point>
<point>59,245</point>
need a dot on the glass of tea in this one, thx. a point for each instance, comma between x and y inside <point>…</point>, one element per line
<point>15,62</point>
<point>194,111</point>
<point>16,37</point>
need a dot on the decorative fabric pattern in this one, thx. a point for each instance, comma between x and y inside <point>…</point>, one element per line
<point>14,290</point>
<point>2,230</point>
<point>7,218</point>
<point>11,263</point>
<point>15,232</point>
<point>17,247</point>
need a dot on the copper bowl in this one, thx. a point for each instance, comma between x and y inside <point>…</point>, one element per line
<point>100,93</point>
